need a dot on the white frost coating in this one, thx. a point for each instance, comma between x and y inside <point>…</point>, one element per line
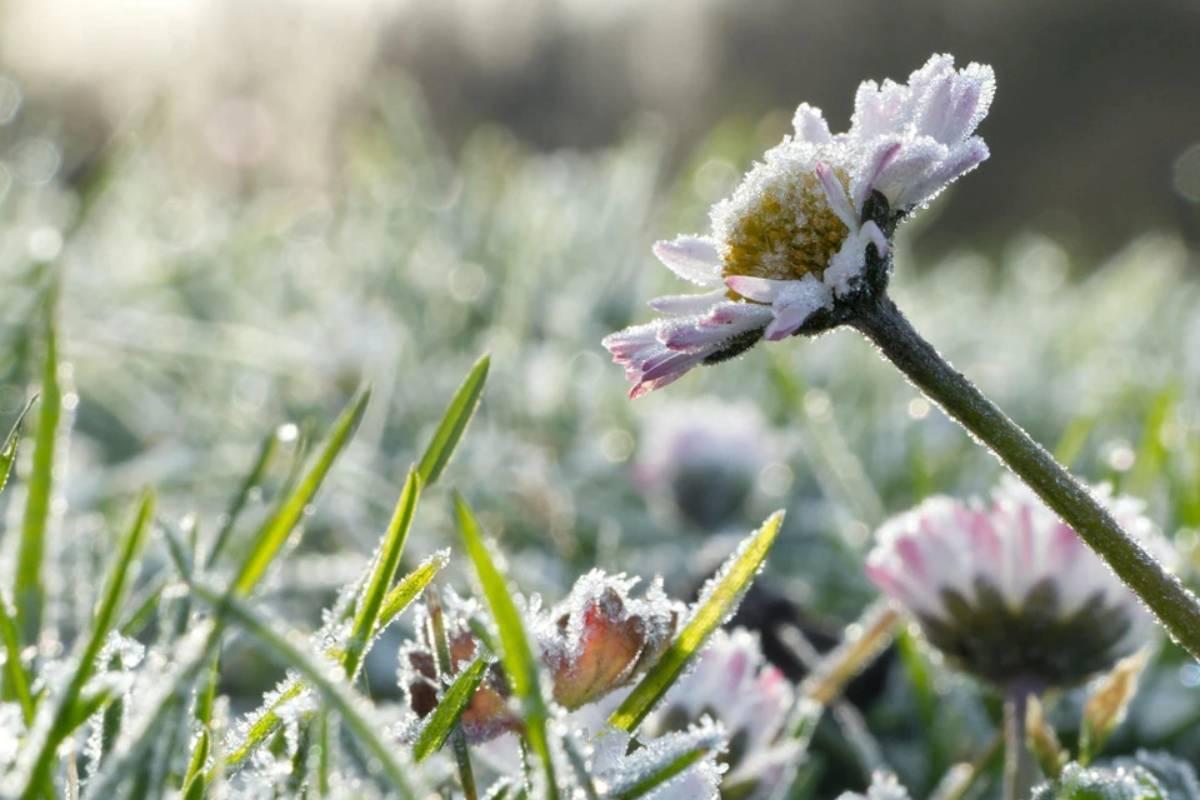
<point>615,773</point>
<point>801,216</point>
<point>884,786</point>
<point>12,729</point>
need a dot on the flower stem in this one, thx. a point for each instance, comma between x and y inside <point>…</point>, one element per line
<point>1176,608</point>
<point>1018,767</point>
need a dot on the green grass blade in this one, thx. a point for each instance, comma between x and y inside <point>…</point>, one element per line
<point>16,679</point>
<point>656,779</point>
<point>516,654</point>
<point>8,454</point>
<point>449,710</point>
<point>366,618</point>
<point>394,603</point>
<point>720,600</point>
<point>280,647</point>
<point>401,596</point>
<point>454,423</point>
<point>266,454</point>
<point>275,531</point>
<point>30,595</point>
<point>103,621</point>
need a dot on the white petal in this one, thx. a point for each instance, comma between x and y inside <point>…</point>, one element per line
<point>810,125</point>
<point>677,304</point>
<point>835,193</point>
<point>693,258</point>
<point>760,290</point>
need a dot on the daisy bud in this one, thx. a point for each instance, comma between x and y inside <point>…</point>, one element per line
<point>1042,739</point>
<point>600,637</point>
<point>1106,705</point>
<point>1010,593</point>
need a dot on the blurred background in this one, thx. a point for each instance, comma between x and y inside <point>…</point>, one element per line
<point>254,206</point>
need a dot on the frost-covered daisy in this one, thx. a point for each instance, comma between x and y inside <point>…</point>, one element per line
<point>809,228</point>
<point>733,684</point>
<point>1009,592</point>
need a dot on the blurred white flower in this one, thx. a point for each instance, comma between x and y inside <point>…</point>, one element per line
<point>706,456</point>
<point>733,683</point>
<point>1009,592</point>
<point>616,771</point>
<point>808,224</point>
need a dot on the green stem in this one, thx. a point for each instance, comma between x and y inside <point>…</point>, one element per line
<point>1018,766</point>
<point>1172,603</point>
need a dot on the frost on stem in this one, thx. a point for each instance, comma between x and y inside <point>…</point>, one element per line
<point>810,227</point>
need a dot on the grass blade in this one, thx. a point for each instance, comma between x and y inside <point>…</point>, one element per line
<point>395,602</point>
<point>266,454</point>
<point>280,647</point>
<point>102,622</point>
<point>651,782</point>
<point>446,715</point>
<point>275,531</point>
<point>371,602</point>
<point>454,423</point>
<point>8,454</point>
<point>16,679</point>
<point>30,593</point>
<point>720,599</point>
<point>517,656</point>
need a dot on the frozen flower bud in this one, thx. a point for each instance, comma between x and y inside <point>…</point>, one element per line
<point>733,684</point>
<point>1043,741</point>
<point>705,456</point>
<point>809,229</point>
<point>1109,699</point>
<point>1009,592</point>
<point>601,637</point>
<point>488,714</point>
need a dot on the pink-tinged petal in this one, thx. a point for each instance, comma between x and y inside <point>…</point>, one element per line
<point>647,385</point>
<point>742,316</point>
<point>760,290</point>
<point>787,321</point>
<point>975,87</point>
<point>936,107</point>
<point>835,193</point>
<point>722,321</point>
<point>880,158</point>
<point>678,304</point>
<point>693,258</point>
<point>810,125</point>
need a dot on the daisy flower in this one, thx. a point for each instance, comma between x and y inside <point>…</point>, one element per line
<point>810,227</point>
<point>1009,592</point>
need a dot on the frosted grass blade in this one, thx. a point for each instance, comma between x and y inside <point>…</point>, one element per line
<point>30,594</point>
<point>370,604</point>
<point>719,600</point>
<point>280,647</point>
<point>514,645</point>
<point>275,531</point>
<point>102,622</point>
<point>395,602</point>
<point>661,776</point>
<point>449,710</point>
<point>8,454</point>
<point>16,679</point>
<point>454,423</point>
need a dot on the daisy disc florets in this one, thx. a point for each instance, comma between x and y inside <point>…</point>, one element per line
<point>809,229</point>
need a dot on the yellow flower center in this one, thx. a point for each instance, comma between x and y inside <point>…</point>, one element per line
<point>788,231</point>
